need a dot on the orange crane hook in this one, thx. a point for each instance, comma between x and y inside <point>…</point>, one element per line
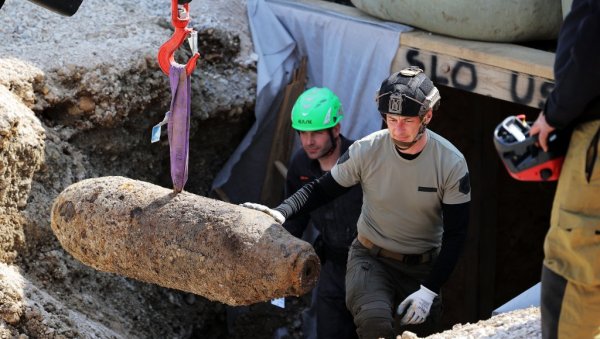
<point>180,18</point>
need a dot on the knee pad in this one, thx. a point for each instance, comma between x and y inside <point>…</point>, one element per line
<point>374,320</point>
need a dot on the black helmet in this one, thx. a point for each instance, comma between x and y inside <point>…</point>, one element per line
<point>408,92</point>
<point>525,160</point>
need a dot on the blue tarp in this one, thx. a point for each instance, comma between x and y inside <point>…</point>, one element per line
<point>530,297</point>
<point>350,55</point>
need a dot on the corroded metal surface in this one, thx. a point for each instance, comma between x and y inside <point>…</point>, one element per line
<point>221,251</point>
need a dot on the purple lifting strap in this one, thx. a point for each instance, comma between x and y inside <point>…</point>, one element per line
<point>179,124</point>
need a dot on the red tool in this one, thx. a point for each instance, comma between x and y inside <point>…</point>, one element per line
<point>521,155</point>
<point>180,18</point>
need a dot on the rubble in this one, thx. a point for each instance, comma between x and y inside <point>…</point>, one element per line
<point>518,324</point>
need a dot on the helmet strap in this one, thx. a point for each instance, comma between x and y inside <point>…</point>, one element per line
<point>333,143</point>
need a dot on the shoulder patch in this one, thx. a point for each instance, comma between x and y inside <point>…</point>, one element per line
<point>464,184</point>
<point>342,159</point>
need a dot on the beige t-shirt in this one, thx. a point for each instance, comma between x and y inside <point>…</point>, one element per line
<point>402,199</point>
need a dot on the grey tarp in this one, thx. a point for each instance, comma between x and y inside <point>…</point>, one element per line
<point>349,55</point>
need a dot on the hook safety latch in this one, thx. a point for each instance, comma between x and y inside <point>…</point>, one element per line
<point>180,18</point>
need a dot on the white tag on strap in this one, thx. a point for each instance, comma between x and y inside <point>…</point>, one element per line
<point>157,128</point>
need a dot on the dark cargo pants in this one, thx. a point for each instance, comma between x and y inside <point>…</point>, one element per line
<point>375,286</point>
<point>334,321</point>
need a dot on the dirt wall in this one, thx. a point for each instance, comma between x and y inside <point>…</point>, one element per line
<point>79,96</point>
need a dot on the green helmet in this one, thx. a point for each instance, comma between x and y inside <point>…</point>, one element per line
<point>316,109</point>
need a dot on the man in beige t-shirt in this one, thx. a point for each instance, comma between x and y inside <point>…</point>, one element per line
<point>415,211</point>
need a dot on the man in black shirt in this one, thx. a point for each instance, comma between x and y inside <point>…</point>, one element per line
<point>316,116</point>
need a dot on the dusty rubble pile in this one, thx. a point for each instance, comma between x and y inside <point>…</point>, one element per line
<point>519,324</point>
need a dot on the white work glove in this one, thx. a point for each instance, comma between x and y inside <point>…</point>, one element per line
<point>419,304</point>
<point>273,213</point>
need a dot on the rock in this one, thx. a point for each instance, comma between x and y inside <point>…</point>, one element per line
<point>523,323</point>
<point>221,251</point>
<point>23,303</point>
<point>408,335</point>
<point>21,154</point>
